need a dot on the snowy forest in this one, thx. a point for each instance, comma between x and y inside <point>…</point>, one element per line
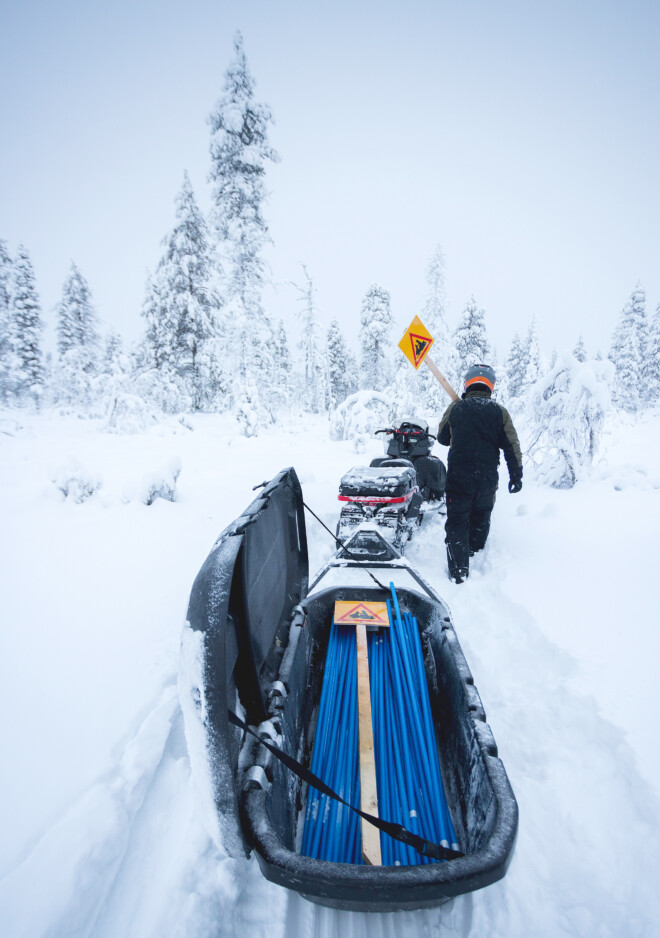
<point>208,343</point>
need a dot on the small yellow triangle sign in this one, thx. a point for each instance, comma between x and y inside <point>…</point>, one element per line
<point>416,342</point>
<point>361,613</point>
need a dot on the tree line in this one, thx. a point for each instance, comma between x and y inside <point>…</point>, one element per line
<point>209,344</point>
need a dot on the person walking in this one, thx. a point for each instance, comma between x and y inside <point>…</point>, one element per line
<point>475,429</point>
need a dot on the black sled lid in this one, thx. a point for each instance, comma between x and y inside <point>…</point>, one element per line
<point>244,594</point>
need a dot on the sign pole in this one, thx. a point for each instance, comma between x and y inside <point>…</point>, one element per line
<point>433,368</point>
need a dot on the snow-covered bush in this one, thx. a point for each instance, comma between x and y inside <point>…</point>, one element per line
<point>76,483</point>
<point>359,416</point>
<point>128,413</point>
<point>568,408</point>
<point>161,484</point>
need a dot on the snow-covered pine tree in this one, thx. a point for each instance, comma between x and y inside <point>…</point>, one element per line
<point>283,364</point>
<point>6,344</point>
<point>433,398</point>
<point>654,357</point>
<point>532,358</point>
<point>515,367</point>
<point>27,328</point>
<point>568,407</point>
<point>470,339</point>
<point>77,342</point>
<point>240,152</point>
<point>580,351</point>
<point>77,322</point>
<point>627,352</point>
<point>342,371</point>
<point>186,273</point>
<point>311,345</point>
<point>375,329</point>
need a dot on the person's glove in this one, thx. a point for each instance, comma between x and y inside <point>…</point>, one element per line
<point>515,485</point>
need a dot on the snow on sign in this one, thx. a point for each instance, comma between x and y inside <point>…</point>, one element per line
<point>359,613</point>
<point>416,342</point>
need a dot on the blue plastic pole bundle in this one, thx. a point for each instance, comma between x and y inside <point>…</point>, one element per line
<point>410,789</point>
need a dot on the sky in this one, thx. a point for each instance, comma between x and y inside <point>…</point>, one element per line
<point>521,137</point>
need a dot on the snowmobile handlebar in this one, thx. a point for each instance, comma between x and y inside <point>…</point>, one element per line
<point>424,434</point>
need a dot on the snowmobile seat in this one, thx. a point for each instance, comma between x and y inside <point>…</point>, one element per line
<point>389,461</point>
<point>385,481</point>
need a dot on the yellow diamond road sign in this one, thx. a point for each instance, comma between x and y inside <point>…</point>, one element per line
<point>416,342</point>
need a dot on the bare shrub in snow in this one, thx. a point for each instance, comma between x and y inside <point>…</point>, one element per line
<point>568,408</point>
<point>161,484</point>
<point>359,416</point>
<point>76,483</point>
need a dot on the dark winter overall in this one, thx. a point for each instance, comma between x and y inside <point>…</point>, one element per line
<point>475,428</point>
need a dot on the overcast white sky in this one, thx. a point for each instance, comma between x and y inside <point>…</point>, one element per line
<point>522,136</point>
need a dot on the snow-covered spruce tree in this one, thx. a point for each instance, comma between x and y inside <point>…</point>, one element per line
<point>26,328</point>
<point>532,358</point>
<point>627,352</point>
<point>653,387</point>
<point>311,345</point>
<point>375,343</point>
<point>180,310</point>
<point>77,322</point>
<point>433,399</point>
<point>515,367</point>
<point>6,343</point>
<point>77,342</point>
<point>186,273</point>
<point>342,371</point>
<point>568,407</point>
<point>470,338</point>
<point>240,153</point>
<point>283,366</point>
<point>580,351</point>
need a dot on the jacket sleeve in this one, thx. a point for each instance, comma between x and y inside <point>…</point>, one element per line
<point>510,446</point>
<point>444,430</point>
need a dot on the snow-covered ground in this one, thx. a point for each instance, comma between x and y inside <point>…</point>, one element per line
<point>101,832</point>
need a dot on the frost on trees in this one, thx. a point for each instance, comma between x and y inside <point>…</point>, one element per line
<point>6,344</point>
<point>77,342</point>
<point>26,331</point>
<point>312,351</point>
<point>342,368</point>
<point>180,311</point>
<point>629,351</point>
<point>568,408</point>
<point>240,153</point>
<point>433,397</point>
<point>375,339</point>
<point>470,338</point>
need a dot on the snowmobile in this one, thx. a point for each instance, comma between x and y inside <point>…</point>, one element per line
<point>253,662</point>
<point>397,490</point>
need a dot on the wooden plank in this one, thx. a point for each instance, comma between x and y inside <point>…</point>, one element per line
<point>441,378</point>
<point>368,791</point>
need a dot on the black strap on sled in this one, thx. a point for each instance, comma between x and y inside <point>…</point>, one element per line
<point>395,831</point>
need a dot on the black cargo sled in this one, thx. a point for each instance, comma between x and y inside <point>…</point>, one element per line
<point>397,490</point>
<point>253,654</point>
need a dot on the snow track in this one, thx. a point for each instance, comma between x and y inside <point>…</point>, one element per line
<point>557,622</point>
